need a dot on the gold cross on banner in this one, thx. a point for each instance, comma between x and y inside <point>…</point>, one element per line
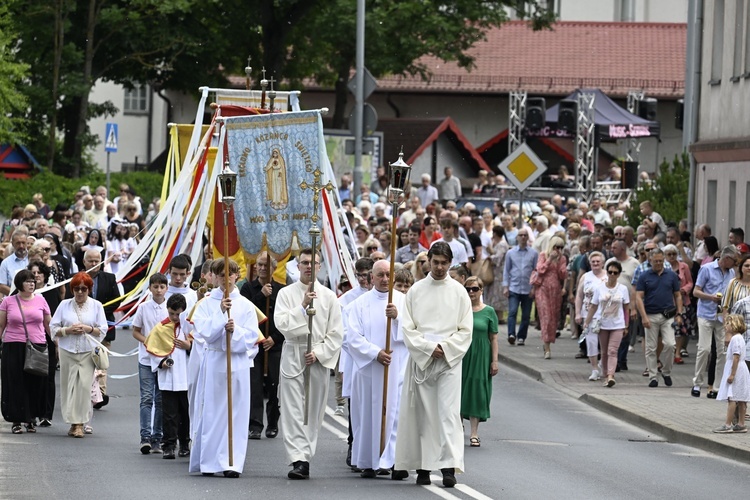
<point>316,188</point>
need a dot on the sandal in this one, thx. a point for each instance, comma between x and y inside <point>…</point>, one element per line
<point>16,429</point>
<point>474,442</point>
<point>87,429</point>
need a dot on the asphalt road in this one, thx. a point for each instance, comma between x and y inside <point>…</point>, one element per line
<point>539,444</point>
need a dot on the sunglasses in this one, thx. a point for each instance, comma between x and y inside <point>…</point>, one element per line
<point>472,289</point>
<point>372,248</point>
<point>82,289</point>
<point>558,247</point>
<point>613,273</point>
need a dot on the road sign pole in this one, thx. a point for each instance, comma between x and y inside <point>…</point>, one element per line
<point>520,209</point>
<point>359,99</point>
<point>109,193</point>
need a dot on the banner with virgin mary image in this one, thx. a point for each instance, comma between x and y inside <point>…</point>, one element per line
<point>273,155</point>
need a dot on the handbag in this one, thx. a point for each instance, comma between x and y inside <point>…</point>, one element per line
<point>36,361</point>
<point>535,279</point>
<point>100,355</point>
<point>483,270</point>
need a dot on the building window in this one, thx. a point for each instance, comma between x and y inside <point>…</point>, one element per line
<point>717,52</point>
<point>136,100</point>
<point>739,22</point>
<point>711,203</point>
<point>732,202</point>
<point>747,43</point>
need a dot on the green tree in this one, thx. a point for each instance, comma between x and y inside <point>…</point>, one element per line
<point>668,193</point>
<point>13,124</point>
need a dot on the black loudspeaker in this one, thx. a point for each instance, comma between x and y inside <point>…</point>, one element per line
<point>629,176</point>
<point>567,115</point>
<point>536,113</point>
<point>679,114</point>
<point>646,108</point>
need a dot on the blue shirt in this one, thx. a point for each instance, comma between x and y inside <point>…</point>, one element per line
<point>345,194</point>
<point>645,266</point>
<point>10,266</point>
<point>658,290</point>
<point>712,280</point>
<point>519,263</point>
<point>427,195</point>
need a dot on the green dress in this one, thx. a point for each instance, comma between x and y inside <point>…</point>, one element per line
<point>476,382</point>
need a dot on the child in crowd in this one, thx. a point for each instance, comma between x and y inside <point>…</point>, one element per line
<point>403,280</point>
<point>168,346</point>
<point>735,382</point>
<point>179,273</point>
<point>149,314</point>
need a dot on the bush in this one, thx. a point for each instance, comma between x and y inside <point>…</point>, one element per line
<point>58,189</point>
<point>668,193</point>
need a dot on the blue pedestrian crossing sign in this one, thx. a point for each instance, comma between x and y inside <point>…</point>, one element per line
<point>110,138</point>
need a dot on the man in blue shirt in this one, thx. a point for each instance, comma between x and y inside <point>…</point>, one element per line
<point>711,283</point>
<point>520,261</point>
<point>659,303</point>
<point>18,260</point>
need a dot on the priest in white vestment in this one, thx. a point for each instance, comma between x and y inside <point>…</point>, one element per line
<point>210,453</point>
<point>437,324</point>
<point>363,273</point>
<point>366,334</point>
<point>291,319</point>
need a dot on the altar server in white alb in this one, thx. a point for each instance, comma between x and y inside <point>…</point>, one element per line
<point>437,324</point>
<point>366,333</point>
<point>292,320</point>
<point>210,453</point>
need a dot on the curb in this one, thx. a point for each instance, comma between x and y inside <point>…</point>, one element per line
<point>670,434</point>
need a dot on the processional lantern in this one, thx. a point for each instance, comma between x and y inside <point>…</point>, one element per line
<point>227,185</point>
<point>399,176</point>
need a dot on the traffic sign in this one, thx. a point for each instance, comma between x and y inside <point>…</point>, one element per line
<point>110,138</point>
<point>522,167</point>
<point>369,120</point>
<point>369,86</point>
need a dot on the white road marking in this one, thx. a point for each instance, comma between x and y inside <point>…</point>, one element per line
<point>542,443</point>
<point>343,422</point>
<point>333,430</point>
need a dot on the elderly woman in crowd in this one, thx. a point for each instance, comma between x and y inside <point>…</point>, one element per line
<point>480,363</point>
<point>94,241</point>
<point>686,289</point>
<point>551,269</point>
<point>76,323</point>
<point>22,316</point>
<point>421,267</point>
<point>587,284</point>
<point>493,294</point>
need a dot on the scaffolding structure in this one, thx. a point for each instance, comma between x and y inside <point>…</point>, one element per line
<point>516,120</point>
<point>586,146</point>
<point>633,145</point>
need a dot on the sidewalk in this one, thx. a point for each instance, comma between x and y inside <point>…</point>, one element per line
<point>668,411</point>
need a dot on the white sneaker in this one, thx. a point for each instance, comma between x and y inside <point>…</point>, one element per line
<point>631,349</point>
<point>339,411</point>
<point>594,375</point>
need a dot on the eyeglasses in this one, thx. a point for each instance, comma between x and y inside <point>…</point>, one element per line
<point>362,275</point>
<point>47,249</point>
<point>613,273</point>
<point>81,289</point>
<point>472,289</point>
<point>305,263</point>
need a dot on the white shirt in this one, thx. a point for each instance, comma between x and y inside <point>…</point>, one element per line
<point>148,315</point>
<point>459,251</point>
<point>68,313</point>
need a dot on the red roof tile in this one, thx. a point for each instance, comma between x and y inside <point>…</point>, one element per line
<point>614,57</point>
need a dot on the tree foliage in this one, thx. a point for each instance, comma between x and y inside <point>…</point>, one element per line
<point>668,193</point>
<point>13,124</point>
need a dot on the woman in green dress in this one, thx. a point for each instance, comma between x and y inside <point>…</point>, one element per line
<point>480,363</point>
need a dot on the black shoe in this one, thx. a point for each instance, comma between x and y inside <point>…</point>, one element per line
<point>696,393</point>
<point>231,473</point>
<point>301,470</point>
<point>654,383</point>
<point>384,472</point>
<point>254,434</point>
<point>349,456</point>
<point>355,469</point>
<point>272,432</point>
<point>449,477</point>
<point>710,394</point>
<point>184,452</point>
<point>667,380</point>
<point>168,454</point>
<point>617,370</point>
<point>398,475</point>
<point>368,473</point>
<point>423,477</point>
<point>102,403</point>
<point>145,447</point>
<point>45,422</point>
<point>623,367</point>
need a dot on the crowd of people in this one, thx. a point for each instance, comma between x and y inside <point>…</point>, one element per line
<point>429,345</point>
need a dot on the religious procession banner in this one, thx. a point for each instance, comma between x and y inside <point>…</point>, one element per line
<point>273,155</point>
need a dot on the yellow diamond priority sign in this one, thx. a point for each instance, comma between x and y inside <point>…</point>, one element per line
<point>522,167</point>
